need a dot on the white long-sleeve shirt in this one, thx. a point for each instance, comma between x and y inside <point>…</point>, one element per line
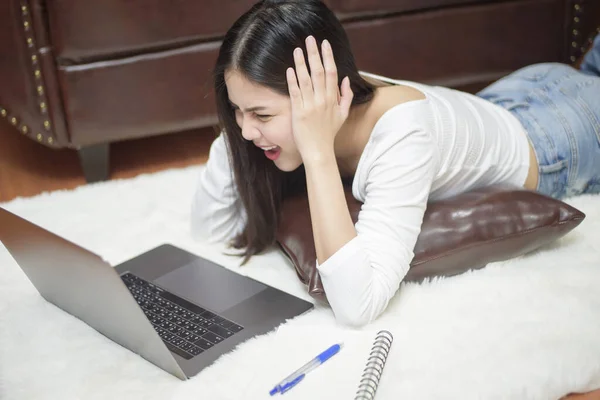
<point>419,151</point>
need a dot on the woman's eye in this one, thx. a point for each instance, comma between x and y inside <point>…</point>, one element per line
<point>263,117</point>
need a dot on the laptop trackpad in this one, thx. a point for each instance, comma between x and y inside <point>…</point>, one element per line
<point>209,286</point>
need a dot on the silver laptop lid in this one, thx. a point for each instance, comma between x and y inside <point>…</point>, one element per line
<point>84,285</point>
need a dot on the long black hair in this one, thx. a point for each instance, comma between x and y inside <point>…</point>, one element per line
<point>260,45</point>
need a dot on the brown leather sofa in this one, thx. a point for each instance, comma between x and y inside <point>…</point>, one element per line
<point>83,74</point>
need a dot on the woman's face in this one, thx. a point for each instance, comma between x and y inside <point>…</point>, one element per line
<point>264,116</point>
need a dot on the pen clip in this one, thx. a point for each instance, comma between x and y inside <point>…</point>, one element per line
<point>291,384</point>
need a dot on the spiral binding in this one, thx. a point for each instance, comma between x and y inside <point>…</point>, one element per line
<point>374,367</point>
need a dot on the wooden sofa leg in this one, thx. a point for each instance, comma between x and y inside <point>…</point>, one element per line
<point>95,162</point>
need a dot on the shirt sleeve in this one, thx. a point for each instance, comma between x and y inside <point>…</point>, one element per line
<point>217,213</point>
<point>362,277</point>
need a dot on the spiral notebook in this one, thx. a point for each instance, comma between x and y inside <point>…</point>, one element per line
<point>354,373</point>
<point>369,381</point>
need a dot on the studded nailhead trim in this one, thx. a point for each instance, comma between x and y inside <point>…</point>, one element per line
<point>44,134</point>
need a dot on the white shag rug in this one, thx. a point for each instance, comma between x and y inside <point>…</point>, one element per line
<point>528,328</point>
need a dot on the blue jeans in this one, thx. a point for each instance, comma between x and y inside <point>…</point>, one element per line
<point>559,107</point>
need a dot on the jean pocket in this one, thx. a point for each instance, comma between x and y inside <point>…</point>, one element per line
<point>585,99</point>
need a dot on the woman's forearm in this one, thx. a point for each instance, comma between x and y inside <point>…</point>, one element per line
<point>331,221</point>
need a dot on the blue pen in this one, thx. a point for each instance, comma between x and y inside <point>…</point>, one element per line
<point>298,375</point>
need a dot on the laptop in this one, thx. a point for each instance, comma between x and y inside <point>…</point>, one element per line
<point>177,310</point>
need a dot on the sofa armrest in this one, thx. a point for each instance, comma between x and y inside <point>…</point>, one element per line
<point>29,97</point>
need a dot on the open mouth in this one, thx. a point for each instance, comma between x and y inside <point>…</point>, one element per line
<point>272,153</point>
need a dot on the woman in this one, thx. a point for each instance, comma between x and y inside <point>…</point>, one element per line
<point>297,115</point>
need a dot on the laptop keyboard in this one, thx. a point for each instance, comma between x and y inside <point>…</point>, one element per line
<point>186,329</point>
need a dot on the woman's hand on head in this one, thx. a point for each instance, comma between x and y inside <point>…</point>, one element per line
<point>319,106</point>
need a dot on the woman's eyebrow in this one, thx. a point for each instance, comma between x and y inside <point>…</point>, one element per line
<point>255,108</point>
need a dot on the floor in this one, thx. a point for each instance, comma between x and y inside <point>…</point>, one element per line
<point>28,168</point>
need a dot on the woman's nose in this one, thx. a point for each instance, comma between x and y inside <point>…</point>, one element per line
<point>249,132</point>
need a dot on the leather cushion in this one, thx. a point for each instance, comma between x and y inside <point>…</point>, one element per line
<point>458,234</point>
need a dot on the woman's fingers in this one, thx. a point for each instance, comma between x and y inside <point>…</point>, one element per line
<point>293,89</point>
<point>316,69</point>
<point>304,81</point>
<point>322,82</point>
<point>331,75</point>
<point>346,97</point>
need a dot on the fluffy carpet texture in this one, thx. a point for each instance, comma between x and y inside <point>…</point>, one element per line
<point>528,328</point>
